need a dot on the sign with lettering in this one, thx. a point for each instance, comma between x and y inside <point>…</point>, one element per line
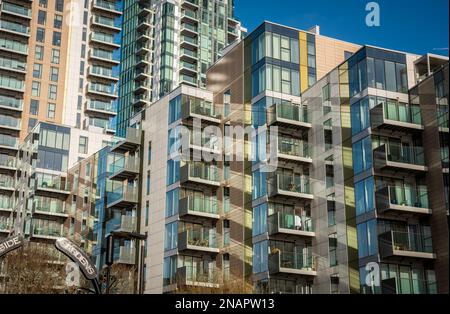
<point>10,244</point>
<point>72,251</point>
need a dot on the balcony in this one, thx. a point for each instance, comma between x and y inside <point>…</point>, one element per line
<point>208,143</point>
<point>48,232</point>
<point>130,143</point>
<point>395,157</point>
<point>292,263</point>
<point>125,256</point>
<point>288,115</point>
<point>123,197</point>
<point>50,207</point>
<point>443,121</point>
<point>101,107</point>
<point>403,200</point>
<point>6,203</point>
<point>188,80</point>
<point>14,28</point>
<point>59,188</point>
<point>402,245</point>
<point>190,4</point>
<point>141,87</point>
<point>5,225</point>
<point>122,225</point>
<point>288,225</point>
<point>292,186</point>
<point>111,7</point>
<point>103,90</point>
<point>233,34</point>
<point>188,68</point>
<point>10,123</point>
<point>200,173</point>
<point>16,10</point>
<point>142,49</point>
<point>109,40</point>
<point>396,117</point>
<point>11,103</point>
<point>106,22</point>
<point>102,73</point>
<point>144,36</point>
<point>13,65</point>
<point>124,168</point>
<point>198,277</point>
<point>14,46</point>
<point>189,16</point>
<point>188,29</point>
<point>8,162</point>
<point>197,207</point>
<point>292,150</point>
<point>140,101</point>
<point>188,55</point>
<point>206,111</point>
<point>144,24</point>
<point>9,142</point>
<point>198,241</point>
<point>12,84</point>
<point>104,56</point>
<point>6,183</point>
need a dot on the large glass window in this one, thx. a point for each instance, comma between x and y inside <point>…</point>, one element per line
<point>259,219</point>
<point>364,196</point>
<point>171,236</point>
<point>172,198</point>
<point>362,155</point>
<point>259,184</point>
<point>173,172</point>
<point>260,257</point>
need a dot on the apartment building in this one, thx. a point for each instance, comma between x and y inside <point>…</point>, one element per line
<point>166,43</point>
<point>389,210</point>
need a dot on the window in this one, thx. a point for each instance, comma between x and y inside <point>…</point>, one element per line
<point>43,3</point>
<point>331,208</point>
<point>42,17</point>
<point>34,107</point>
<point>35,89</point>
<point>37,70</point>
<point>260,257</point>
<point>367,239</point>
<point>54,73</point>
<point>174,109</point>
<point>57,22</point>
<point>39,53</point>
<point>148,183</point>
<point>147,213</point>
<point>364,196</point>
<point>226,200</point>
<point>391,84</point>
<point>55,56</point>
<point>171,236</point>
<point>259,184</point>
<point>360,115</point>
<point>172,200</point>
<point>31,123</point>
<point>40,35</point>
<point>56,39</point>
<point>329,176</point>
<point>226,266</point>
<point>83,145</point>
<point>380,82</point>
<point>227,103</point>
<point>362,155</point>
<point>51,111</point>
<point>59,5</point>
<point>332,248</point>
<point>52,91</point>
<point>173,171</point>
<point>260,219</point>
<point>149,153</point>
<point>226,233</point>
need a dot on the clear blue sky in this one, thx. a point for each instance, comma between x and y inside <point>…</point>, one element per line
<point>406,25</point>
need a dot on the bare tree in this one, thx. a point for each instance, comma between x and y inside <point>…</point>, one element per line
<point>215,285</point>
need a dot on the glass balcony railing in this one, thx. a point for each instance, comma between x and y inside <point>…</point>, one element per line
<point>11,83</point>
<point>14,27</point>
<point>414,155</point>
<point>293,183</point>
<point>50,205</point>
<point>103,54</point>
<point>48,231</point>
<point>125,255</point>
<point>205,141</point>
<point>402,112</point>
<point>106,38</point>
<point>11,102</point>
<point>203,171</point>
<point>9,141</point>
<point>190,40</point>
<point>189,53</point>
<point>109,5</point>
<point>128,194</point>
<point>6,182</point>
<point>409,196</point>
<point>194,2</point>
<point>6,202</point>
<point>203,108</point>
<point>13,64</point>
<point>189,13</point>
<point>408,241</point>
<point>188,79</point>
<point>295,260</point>
<point>289,111</point>
<point>7,161</point>
<point>13,45</point>
<point>125,163</point>
<point>52,183</point>
<point>202,238</point>
<point>10,122</point>
<point>197,274</point>
<point>106,72</point>
<point>291,222</point>
<point>293,147</point>
<point>189,66</point>
<point>104,89</point>
<point>122,223</point>
<point>5,224</point>
<point>107,21</point>
<point>16,9</point>
<point>203,204</point>
<point>190,27</point>
<point>101,123</point>
<point>103,106</point>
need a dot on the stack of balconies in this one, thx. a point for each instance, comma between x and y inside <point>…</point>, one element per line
<point>15,20</point>
<point>189,43</point>
<point>123,200</point>
<point>104,42</point>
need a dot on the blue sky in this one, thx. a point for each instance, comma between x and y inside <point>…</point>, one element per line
<point>406,25</point>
